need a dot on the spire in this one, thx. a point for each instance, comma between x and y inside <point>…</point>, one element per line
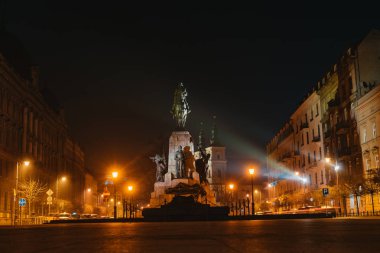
<point>201,138</point>
<point>214,134</point>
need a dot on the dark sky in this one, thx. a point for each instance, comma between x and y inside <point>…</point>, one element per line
<point>114,69</point>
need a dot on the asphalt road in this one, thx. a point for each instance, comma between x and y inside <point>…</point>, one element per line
<point>307,235</point>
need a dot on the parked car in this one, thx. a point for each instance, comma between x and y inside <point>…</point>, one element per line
<point>64,216</point>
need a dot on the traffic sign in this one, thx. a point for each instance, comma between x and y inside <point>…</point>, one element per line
<point>325,191</point>
<point>49,199</point>
<point>22,202</point>
<point>49,192</point>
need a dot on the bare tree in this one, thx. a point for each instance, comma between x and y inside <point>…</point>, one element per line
<point>32,190</point>
<point>372,185</point>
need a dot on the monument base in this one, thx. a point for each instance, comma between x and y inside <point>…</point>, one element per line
<point>185,208</point>
<point>160,196</point>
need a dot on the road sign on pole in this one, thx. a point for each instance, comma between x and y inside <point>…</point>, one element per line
<point>49,192</point>
<point>49,200</point>
<point>22,202</point>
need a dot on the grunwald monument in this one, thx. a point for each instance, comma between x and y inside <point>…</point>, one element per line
<point>181,190</point>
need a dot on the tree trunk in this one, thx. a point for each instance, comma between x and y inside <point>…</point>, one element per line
<point>373,206</point>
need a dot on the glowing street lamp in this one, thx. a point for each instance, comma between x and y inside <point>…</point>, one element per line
<point>130,189</point>
<point>336,168</point>
<point>251,172</point>
<point>16,192</point>
<point>258,192</point>
<point>114,175</point>
<point>63,180</point>
<point>232,186</point>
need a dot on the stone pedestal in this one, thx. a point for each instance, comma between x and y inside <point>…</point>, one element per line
<point>178,138</point>
<point>159,197</point>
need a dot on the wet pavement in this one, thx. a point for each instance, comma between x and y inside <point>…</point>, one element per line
<point>306,235</point>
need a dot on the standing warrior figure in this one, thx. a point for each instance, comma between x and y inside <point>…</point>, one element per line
<point>160,167</point>
<point>180,108</point>
<point>179,163</point>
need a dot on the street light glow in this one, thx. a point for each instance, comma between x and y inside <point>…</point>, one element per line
<point>336,167</point>
<point>115,174</point>
<point>89,190</point>
<point>327,159</point>
<point>251,171</point>
<point>231,186</point>
<point>130,188</point>
<point>63,179</point>
<point>26,163</point>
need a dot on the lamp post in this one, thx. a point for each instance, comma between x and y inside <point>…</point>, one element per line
<point>15,191</point>
<point>231,186</point>
<point>336,168</point>
<point>63,179</point>
<point>114,175</point>
<point>251,172</point>
<point>130,188</point>
<point>258,191</point>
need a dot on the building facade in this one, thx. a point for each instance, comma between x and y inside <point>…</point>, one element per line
<point>32,127</point>
<point>367,114</point>
<point>325,126</point>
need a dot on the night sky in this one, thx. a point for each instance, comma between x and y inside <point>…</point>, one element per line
<point>114,69</point>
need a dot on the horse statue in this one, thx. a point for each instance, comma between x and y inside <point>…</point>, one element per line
<point>180,108</point>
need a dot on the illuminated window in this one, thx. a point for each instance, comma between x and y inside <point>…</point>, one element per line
<point>317,110</point>
<point>374,130</point>
<point>322,176</point>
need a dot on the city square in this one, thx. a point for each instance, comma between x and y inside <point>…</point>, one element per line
<point>209,130</point>
<point>310,235</point>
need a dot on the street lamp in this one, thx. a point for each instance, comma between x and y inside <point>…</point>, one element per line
<point>130,189</point>
<point>15,191</point>
<point>251,172</point>
<point>257,191</point>
<point>62,179</point>
<point>336,168</point>
<point>114,175</point>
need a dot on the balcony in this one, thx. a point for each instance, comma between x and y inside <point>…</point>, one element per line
<point>286,156</point>
<point>341,127</point>
<point>316,138</point>
<point>304,125</point>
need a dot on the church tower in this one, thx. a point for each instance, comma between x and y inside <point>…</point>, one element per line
<point>216,174</point>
